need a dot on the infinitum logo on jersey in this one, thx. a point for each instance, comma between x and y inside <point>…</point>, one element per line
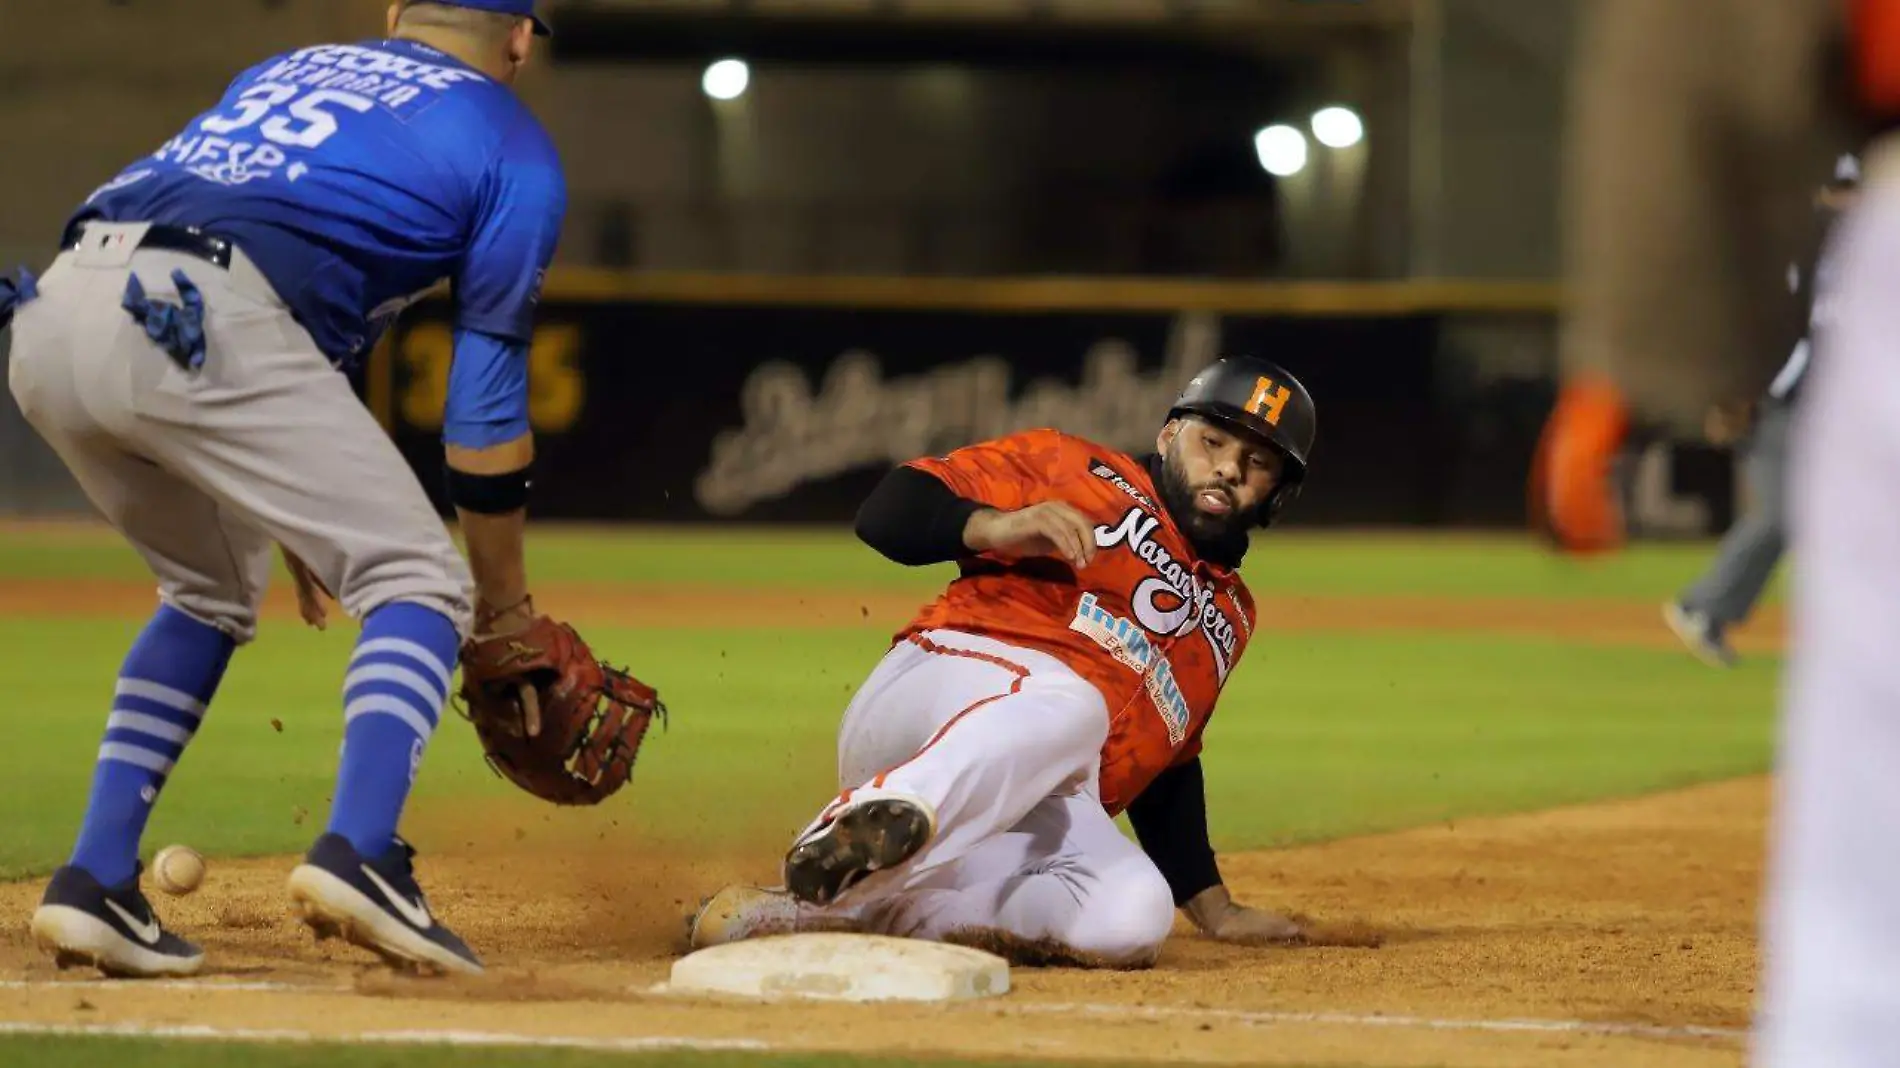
<point>1131,647</point>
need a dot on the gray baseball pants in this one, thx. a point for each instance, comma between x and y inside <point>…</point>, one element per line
<point>201,470</point>
<point>1746,559</point>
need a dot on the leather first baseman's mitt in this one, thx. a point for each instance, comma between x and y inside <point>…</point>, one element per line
<point>554,719</point>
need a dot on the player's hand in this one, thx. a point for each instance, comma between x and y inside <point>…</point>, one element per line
<point>1727,424</point>
<point>1213,911</point>
<point>1052,528</point>
<point>502,615</point>
<point>310,591</point>
<point>498,617</point>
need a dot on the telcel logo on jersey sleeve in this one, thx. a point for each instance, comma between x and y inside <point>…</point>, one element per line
<point>1132,648</point>
<point>1112,477</point>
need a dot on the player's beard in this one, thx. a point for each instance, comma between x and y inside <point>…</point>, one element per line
<point>1221,538</point>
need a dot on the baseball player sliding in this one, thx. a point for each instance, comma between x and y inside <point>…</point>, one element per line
<point>1066,676</point>
<point>181,355</point>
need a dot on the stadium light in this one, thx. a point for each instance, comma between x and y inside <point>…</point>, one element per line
<point>1338,127</point>
<point>1282,150</point>
<point>726,79</point>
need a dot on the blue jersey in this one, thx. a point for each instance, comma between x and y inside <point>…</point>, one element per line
<point>358,178</point>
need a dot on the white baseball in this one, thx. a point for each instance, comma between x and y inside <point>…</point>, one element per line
<point>178,869</point>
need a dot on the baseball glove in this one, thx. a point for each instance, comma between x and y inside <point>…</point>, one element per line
<point>552,717</point>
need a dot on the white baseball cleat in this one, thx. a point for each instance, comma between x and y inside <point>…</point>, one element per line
<point>739,912</point>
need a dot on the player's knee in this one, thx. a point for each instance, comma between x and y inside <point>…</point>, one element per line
<point>1126,922</point>
<point>233,616</point>
<point>228,601</point>
<point>435,577</point>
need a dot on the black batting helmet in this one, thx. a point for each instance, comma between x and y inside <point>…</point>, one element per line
<point>1262,399</point>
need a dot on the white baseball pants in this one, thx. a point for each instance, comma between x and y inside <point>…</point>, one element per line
<point>1004,744</point>
<point>1831,939</point>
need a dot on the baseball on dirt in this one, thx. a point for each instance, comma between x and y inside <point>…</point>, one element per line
<point>178,869</point>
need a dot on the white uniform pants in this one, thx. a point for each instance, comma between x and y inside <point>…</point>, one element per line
<point>1005,746</point>
<point>1831,990</point>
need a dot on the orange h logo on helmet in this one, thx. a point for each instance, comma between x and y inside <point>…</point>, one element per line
<point>1268,399</point>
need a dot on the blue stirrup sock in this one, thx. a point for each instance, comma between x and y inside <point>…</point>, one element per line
<point>393,695</point>
<point>165,684</point>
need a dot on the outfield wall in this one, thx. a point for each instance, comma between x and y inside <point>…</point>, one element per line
<point>709,398</point>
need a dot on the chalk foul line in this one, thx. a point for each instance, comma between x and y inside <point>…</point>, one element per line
<point>1348,1019</point>
<point>195,985</point>
<point>1249,1017</point>
<point>1267,1017</point>
<point>198,1032</point>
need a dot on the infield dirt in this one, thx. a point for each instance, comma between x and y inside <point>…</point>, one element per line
<point>1630,915</point>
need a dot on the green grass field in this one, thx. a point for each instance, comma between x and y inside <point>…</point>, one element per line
<point>1319,734</point>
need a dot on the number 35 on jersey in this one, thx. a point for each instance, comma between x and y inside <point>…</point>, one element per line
<point>251,140</point>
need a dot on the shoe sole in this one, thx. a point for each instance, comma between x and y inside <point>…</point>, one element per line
<point>78,939</point>
<point>1692,638</point>
<point>334,909</point>
<point>872,837</point>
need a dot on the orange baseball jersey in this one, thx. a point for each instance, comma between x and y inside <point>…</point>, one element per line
<point>1154,627</point>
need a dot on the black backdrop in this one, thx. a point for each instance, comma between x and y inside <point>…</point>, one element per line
<point>776,414</point>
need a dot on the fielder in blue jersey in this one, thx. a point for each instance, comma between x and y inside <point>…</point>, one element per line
<point>182,353</point>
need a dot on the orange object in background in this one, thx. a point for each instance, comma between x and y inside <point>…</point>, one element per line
<point>1571,497</point>
<point>1874,27</point>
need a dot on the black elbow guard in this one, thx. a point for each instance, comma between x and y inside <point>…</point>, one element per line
<point>488,494</point>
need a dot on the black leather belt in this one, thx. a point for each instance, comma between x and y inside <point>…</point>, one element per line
<point>186,240</point>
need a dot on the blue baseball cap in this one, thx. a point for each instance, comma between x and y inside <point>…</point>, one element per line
<point>523,8</point>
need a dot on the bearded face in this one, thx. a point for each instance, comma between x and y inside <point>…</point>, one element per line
<point>1214,479</point>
